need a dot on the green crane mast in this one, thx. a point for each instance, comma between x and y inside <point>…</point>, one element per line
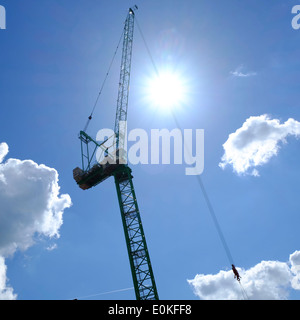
<point>115,164</point>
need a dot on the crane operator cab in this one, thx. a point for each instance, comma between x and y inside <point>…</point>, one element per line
<point>100,171</point>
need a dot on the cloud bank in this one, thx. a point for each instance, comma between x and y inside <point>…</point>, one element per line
<point>256,142</point>
<point>268,280</point>
<point>31,207</point>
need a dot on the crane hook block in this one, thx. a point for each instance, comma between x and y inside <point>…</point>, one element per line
<point>236,273</point>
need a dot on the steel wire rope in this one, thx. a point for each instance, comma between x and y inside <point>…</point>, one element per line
<point>103,83</point>
<point>103,293</point>
<point>203,189</point>
<point>209,204</point>
<point>244,293</point>
<point>200,182</point>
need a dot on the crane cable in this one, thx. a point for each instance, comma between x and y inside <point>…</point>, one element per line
<point>103,83</point>
<point>244,293</point>
<point>210,207</point>
<point>200,182</point>
<point>216,223</point>
<point>102,293</point>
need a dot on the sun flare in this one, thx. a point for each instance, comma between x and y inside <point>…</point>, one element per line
<point>166,90</point>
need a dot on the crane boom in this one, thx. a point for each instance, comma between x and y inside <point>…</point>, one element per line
<point>123,93</point>
<point>92,174</point>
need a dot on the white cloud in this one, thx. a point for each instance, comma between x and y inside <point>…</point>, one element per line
<point>52,247</point>
<point>240,73</point>
<point>220,286</point>
<point>268,280</point>
<point>256,142</point>
<point>31,204</point>
<point>6,292</point>
<point>295,267</point>
<point>3,151</point>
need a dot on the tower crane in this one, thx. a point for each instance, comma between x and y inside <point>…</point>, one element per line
<point>115,164</point>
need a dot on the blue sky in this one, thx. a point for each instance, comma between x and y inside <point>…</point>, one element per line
<point>239,59</point>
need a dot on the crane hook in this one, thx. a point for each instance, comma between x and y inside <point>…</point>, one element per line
<point>236,273</point>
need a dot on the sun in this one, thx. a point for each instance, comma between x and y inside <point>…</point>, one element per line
<point>166,90</point>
